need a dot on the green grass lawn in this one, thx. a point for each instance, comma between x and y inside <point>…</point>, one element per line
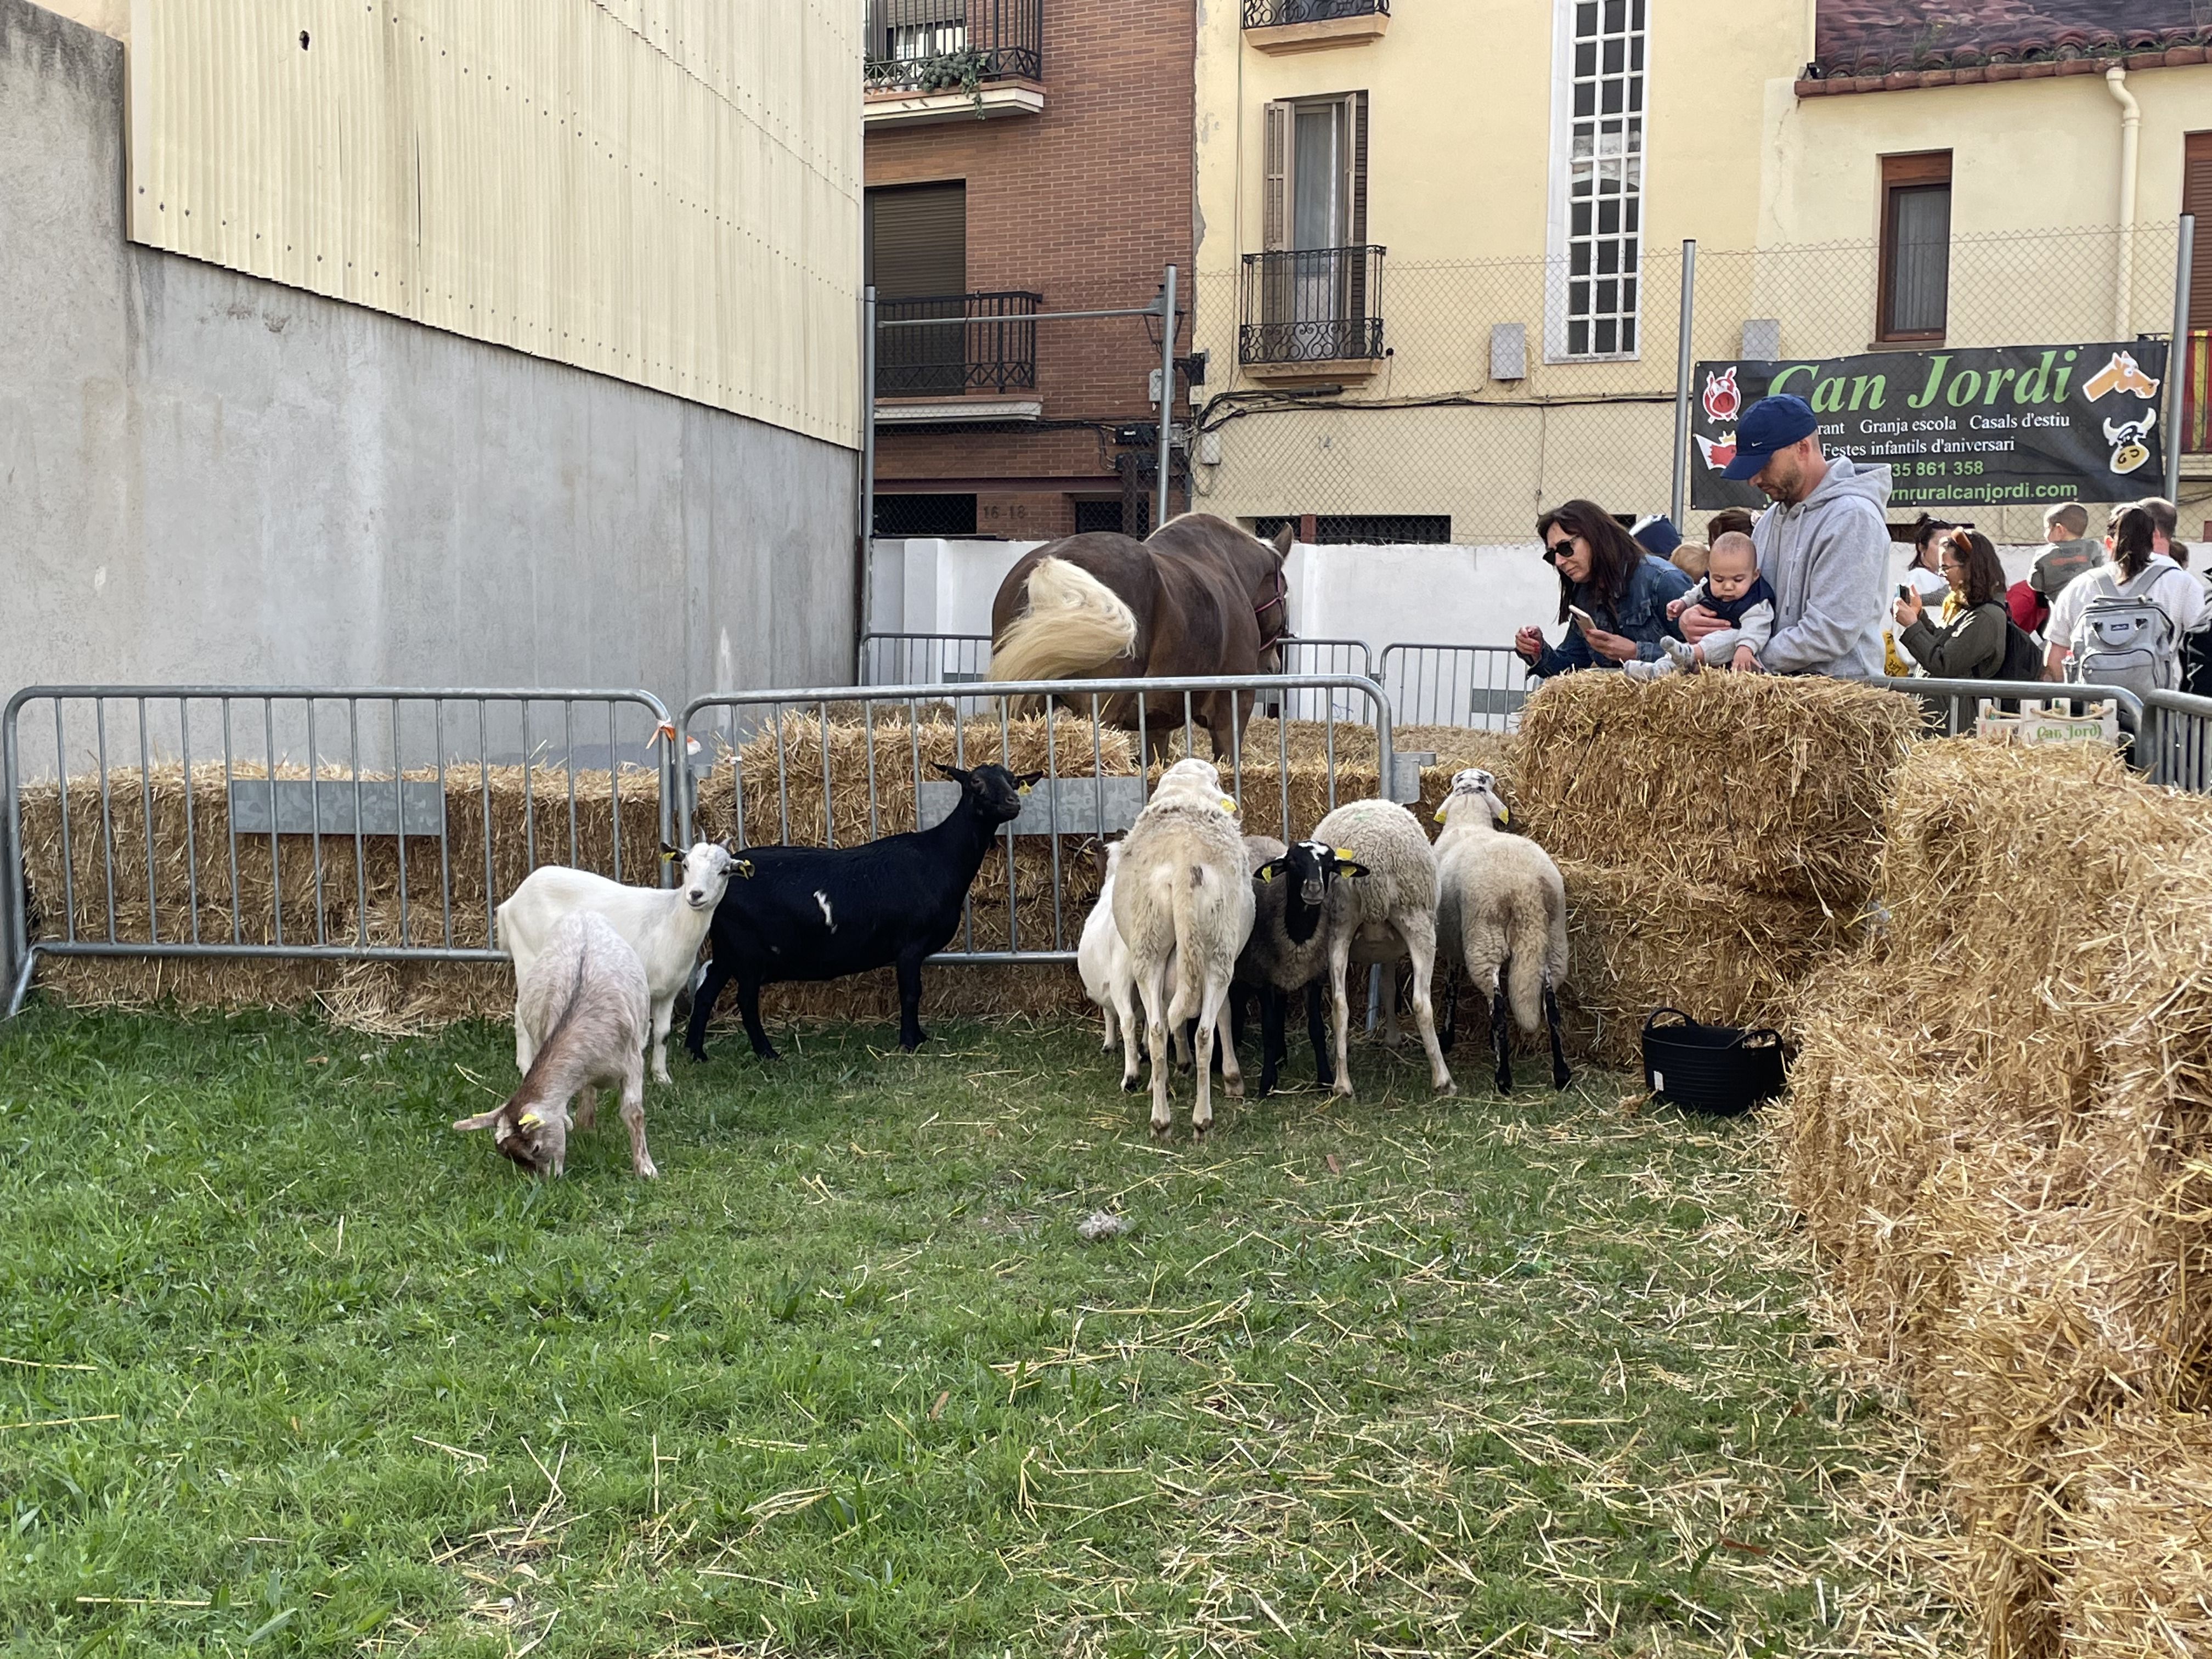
<point>287,1366</point>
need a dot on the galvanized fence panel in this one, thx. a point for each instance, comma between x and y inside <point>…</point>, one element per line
<point>1319,656</point>
<point>2177,744</point>
<point>1473,686</point>
<point>839,766</point>
<point>363,823</point>
<point>924,658</point>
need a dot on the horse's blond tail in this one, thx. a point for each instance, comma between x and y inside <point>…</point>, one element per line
<point>1074,624</point>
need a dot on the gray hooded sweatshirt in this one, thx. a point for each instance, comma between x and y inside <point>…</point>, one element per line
<point>1827,560</point>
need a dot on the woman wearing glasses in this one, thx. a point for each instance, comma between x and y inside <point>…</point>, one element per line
<point>1613,594</point>
<point>1968,642</point>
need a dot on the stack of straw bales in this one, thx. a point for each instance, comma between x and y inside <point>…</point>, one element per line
<point>1718,834</point>
<point>158,846</point>
<point>2002,1137</point>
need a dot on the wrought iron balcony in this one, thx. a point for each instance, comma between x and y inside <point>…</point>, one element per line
<point>1283,14</point>
<point>1311,305</point>
<point>953,46</point>
<point>986,342</point>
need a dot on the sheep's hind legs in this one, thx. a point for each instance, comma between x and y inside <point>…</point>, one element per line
<point>1560,1075</point>
<point>1501,1036</point>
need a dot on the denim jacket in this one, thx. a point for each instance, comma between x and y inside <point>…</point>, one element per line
<point>1642,616</point>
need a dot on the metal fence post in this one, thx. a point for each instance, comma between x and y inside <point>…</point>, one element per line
<point>2177,367</point>
<point>868,588</point>
<point>1167,392</point>
<point>1677,483</point>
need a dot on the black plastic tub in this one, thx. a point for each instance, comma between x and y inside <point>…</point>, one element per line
<point>1717,1069</point>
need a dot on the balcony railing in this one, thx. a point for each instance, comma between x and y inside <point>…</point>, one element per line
<point>1278,14</point>
<point>987,343</point>
<point>1311,305</point>
<point>947,46</point>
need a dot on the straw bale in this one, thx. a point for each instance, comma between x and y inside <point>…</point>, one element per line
<point>1639,939</point>
<point>1746,781</point>
<point>2138,1556</point>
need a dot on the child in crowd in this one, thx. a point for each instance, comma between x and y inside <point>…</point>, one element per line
<point>1734,591</point>
<point>1690,559</point>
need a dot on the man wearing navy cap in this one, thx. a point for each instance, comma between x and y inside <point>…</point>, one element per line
<point>1823,547</point>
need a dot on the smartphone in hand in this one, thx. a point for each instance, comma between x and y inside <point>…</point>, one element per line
<point>1588,622</point>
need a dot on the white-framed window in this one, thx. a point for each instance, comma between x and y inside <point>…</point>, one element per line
<point>1596,221</point>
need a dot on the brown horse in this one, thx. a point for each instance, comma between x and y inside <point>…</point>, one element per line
<point>1199,596</point>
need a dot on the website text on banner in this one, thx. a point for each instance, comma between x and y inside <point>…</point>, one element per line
<point>1974,426</point>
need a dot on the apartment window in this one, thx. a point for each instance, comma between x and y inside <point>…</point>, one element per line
<point>916,253</point>
<point>1598,179</point>
<point>1916,247</point>
<point>2196,198</point>
<point>1310,296</point>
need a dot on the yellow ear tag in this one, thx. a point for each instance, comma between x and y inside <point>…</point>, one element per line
<point>668,857</point>
<point>1228,804</point>
<point>1346,854</point>
<point>1267,875</point>
<point>530,1120</point>
<point>1022,789</point>
<point>744,867</point>
<point>1440,814</point>
<point>1504,816</point>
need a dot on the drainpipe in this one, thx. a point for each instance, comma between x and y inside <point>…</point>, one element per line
<point>2116,80</point>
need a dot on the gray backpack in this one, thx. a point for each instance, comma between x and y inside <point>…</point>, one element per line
<point>2123,639</point>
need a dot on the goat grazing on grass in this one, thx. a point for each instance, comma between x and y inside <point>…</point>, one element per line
<point>1393,915</point>
<point>1182,899</point>
<point>585,1009</point>
<point>1298,903</point>
<point>1103,959</point>
<point>1502,915</point>
<point>664,926</point>
<point>816,913</point>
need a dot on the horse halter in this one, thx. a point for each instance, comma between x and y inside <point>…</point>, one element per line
<point>1279,600</point>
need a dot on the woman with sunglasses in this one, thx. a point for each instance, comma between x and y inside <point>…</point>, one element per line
<point>1607,577</point>
<point>1969,642</point>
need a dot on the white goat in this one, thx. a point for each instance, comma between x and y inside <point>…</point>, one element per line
<point>584,1004</point>
<point>1103,961</point>
<point>1392,914</point>
<point>664,926</point>
<point>1502,915</point>
<point>1183,902</point>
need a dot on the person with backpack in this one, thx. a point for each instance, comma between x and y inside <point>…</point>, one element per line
<point>2122,623</point>
<point>1971,640</point>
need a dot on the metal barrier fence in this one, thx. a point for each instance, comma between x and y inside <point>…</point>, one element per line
<point>2177,744</point>
<point>1474,686</point>
<point>369,823</point>
<point>837,766</point>
<point>924,658</point>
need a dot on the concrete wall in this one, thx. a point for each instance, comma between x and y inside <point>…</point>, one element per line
<point>205,476</point>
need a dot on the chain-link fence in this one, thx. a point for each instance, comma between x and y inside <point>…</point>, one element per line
<point>1476,414</point>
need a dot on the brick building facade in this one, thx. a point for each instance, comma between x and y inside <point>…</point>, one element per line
<point>1078,191</point>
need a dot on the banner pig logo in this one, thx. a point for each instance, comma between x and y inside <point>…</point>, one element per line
<point>1721,398</point>
<point>1718,452</point>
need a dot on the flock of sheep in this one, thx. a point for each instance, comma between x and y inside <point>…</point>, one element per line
<point>1191,908</point>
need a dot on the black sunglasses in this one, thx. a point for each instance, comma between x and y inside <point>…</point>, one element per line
<point>1552,550</point>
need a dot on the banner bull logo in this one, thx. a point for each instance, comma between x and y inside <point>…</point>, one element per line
<point>2126,439</point>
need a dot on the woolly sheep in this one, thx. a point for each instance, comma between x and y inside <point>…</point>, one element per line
<point>1393,915</point>
<point>1103,961</point>
<point>1502,915</point>
<point>1183,901</point>
<point>1299,899</point>
<point>584,1007</point>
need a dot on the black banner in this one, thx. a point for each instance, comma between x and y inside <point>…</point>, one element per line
<point>1972,428</point>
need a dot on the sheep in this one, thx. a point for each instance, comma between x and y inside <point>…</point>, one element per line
<point>663,925</point>
<point>816,913</point>
<point>1393,915</point>
<point>1297,904</point>
<point>1502,914</point>
<point>584,1005</point>
<point>1183,902</point>
<point>1103,961</point>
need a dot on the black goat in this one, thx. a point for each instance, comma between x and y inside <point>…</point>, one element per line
<point>811,912</point>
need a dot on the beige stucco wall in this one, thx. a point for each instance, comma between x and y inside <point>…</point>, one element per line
<point>1458,186</point>
<point>110,17</point>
